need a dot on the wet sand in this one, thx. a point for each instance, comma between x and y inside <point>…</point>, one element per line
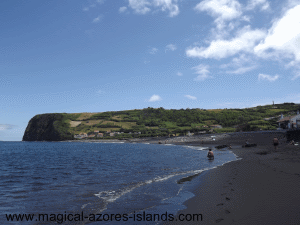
<point>263,187</point>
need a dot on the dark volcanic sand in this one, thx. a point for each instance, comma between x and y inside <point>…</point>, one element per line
<point>261,188</point>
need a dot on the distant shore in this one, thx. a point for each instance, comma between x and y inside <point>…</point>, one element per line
<point>237,138</point>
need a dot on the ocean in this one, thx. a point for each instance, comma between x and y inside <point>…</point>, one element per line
<point>73,182</point>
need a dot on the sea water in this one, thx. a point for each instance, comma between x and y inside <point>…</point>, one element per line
<point>98,178</point>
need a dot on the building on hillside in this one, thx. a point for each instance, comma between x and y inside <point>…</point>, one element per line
<point>96,131</point>
<point>100,135</point>
<point>112,134</point>
<point>92,135</point>
<point>78,136</point>
<point>289,122</point>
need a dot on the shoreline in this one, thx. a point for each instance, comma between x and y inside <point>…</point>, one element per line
<point>260,188</point>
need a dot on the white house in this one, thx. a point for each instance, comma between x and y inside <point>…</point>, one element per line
<point>289,122</point>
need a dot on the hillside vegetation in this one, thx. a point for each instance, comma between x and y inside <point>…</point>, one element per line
<point>150,122</point>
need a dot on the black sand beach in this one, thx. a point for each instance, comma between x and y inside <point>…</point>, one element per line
<point>260,188</point>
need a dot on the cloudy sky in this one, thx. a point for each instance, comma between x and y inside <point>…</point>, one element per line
<point>104,55</point>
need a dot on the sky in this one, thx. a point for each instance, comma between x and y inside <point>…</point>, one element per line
<point>104,55</point>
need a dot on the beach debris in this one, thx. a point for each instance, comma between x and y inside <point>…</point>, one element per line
<point>221,146</point>
<point>249,145</point>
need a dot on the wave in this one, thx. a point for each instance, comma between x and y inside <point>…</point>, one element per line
<point>199,148</point>
<point>110,196</point>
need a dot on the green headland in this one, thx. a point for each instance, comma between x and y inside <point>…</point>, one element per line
<point>153,122</point>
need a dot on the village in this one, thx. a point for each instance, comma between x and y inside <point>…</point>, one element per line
<point>284,123</point>
<point>97,134</point>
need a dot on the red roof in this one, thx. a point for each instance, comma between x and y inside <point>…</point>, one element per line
<point>285,119</point>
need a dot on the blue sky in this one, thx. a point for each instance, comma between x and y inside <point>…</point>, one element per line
<point>104,55</point>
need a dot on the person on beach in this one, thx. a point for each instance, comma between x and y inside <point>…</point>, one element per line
<point>210,154</point>
<point>230,146</point>
<point>247,142</point>
<point>275,142</point>
<point>292,142</point>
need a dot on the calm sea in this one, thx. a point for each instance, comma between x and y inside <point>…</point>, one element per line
<point>92,178</point>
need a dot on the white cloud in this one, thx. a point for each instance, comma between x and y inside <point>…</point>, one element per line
<point>122,9</point>
<point>153,51</point>
<point>202,71</point>
<point>140,6</point>
<point>171,47</point>
<point>100,1</point>
<point>179,74</point>
<point>244,41</point>
<point>242,70</point>
<point>222,10</point>
<point>145,6</point>
<point>191,97</point>
<point>240,65</point>
<point>246,18</point>
<point>264,4</point>
<point>6,126</point>
<point>267,77</point>
<point>283,39</point>
<point>167,5</point>
<point>93,5</point>
<point>155,98</point>
<point>97,19</point>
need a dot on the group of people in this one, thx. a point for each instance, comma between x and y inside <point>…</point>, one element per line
<point>276,142</point>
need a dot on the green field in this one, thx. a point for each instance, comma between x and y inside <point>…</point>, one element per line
<point>163,122</point>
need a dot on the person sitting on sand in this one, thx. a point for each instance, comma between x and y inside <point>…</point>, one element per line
<point>247,142</point>
<point>210,154</point>
<point>230,146</point>
<point>292,142</point>
<point>275,142</point>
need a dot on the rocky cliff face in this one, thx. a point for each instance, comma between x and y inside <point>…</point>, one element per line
<point>47,127</point>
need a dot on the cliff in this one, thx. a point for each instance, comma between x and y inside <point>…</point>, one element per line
<point>48,127</point>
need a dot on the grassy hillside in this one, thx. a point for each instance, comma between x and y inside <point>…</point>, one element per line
<point>162,122</point>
